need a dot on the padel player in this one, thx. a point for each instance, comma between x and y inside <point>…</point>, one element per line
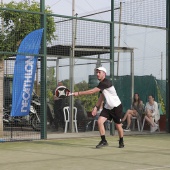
<point>112,108</point>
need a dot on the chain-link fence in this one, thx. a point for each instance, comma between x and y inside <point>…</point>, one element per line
<point>18,75</point>
<point>75,47</point>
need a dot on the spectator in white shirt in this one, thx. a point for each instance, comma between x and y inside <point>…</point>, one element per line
<point>152,113</point>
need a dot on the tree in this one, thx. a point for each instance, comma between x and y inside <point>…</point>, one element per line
<point>15,26</point>
<point>88,101</point>
<point>51,83</point>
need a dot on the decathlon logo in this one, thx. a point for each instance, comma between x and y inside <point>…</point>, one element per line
<point>28,81</point>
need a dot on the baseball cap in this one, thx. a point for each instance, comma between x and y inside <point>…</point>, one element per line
<point>101,69</point>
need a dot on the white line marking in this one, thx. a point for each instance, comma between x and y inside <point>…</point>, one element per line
<point>162,167</point>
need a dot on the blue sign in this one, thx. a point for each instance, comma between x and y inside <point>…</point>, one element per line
<point>24,73</point>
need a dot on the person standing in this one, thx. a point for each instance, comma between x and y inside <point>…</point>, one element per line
<point>58,110</point>
<point>112,108</point>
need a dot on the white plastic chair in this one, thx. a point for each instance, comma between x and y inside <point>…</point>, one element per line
<point>96,118</point>
<point>94,123</point>
<point>66,111</point>
<point>133,123</point>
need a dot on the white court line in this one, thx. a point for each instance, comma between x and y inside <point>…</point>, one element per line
<point>162,167</point>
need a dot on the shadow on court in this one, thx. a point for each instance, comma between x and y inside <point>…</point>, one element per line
<point>141,152</point>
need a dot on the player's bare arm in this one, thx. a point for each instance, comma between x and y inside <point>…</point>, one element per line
<point>91,91</point>
<point>98,104</point>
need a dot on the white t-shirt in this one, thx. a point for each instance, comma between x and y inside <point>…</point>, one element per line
<point>154,108</point>
<point>109,92</point>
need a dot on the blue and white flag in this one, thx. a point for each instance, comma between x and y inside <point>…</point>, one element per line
<point>24,73</point>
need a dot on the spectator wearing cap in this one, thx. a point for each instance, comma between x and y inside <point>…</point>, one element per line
<point>112,109</point>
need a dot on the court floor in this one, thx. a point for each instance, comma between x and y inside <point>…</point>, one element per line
<point>141,152</point>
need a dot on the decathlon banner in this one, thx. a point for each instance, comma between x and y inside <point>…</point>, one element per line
<point>24,73</point>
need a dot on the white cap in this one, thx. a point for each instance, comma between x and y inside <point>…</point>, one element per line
<point>101,69</point>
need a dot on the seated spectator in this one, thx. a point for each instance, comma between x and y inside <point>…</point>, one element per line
<point>135,111</point>
<point>152,113</point>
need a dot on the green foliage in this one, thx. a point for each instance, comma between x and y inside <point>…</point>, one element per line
<point>51,83</point>
<point>161,101</point>
<point>66,83</point>
<point>16,25</point>
<point>88,101</point>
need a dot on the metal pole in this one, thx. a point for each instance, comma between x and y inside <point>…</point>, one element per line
<point>161,68</point>
<point>120,14</point>
<point>161,65</point>
<point>36,86</point>
<point>132,76</point>
<point>71,127</point>
<point>112,125</point>
<point>167,65</point>
<point>57,71</point>
<point>43,109</point>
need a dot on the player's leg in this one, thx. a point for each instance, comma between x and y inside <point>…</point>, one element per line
<point>116,115</point>
<point>101,127</point>
<point>104,115</point>
<point>120,133</point>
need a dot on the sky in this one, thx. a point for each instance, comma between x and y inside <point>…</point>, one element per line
<point>149,44</point>
<point>64,7</point>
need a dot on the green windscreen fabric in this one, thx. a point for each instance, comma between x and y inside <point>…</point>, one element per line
<point>162,87</point>
<point>143,85</point>
<point>123,87</point>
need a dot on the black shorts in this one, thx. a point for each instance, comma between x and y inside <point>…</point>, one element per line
<point>115,114</point>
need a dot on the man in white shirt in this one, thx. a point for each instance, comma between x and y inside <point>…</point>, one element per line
<point>112,108</point>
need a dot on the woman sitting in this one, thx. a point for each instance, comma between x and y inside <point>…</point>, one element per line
<point>135,111</point>
<point>152,113</point>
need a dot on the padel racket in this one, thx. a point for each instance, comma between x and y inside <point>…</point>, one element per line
<point>62,92</point>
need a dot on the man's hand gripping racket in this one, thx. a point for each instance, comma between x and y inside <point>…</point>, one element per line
<point>63,92</point>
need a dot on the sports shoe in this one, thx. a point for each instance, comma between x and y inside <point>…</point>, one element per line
<point>102,144</point>
<point>153,129</point>
<point>127,130</point>
<point>121,144</point>
<point>156,124</point>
